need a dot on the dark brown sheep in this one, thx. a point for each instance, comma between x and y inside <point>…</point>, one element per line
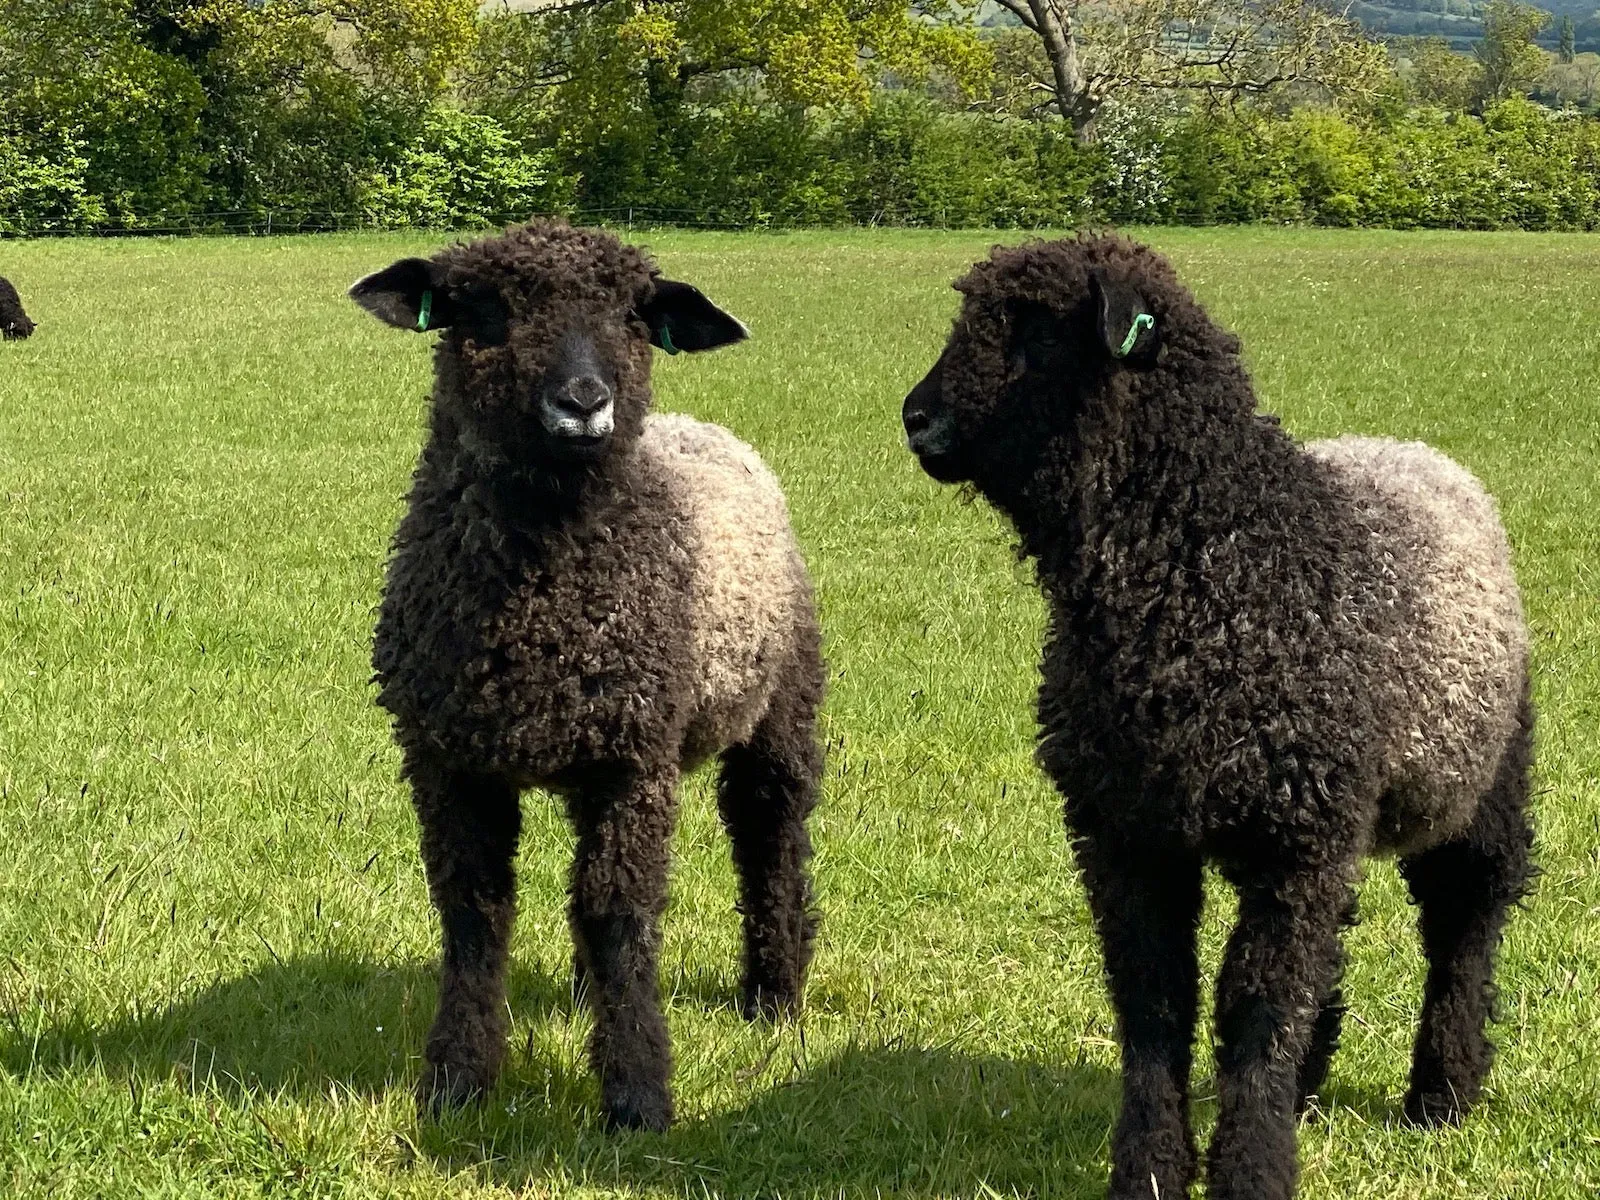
<point>14,323</point>
<point>1276,658</point>
<point>591,600</point>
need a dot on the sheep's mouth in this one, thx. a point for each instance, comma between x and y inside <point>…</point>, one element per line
<point>942,466</point>
<point>934,443</point>
<point>584,445</point>
<point>582,432</point>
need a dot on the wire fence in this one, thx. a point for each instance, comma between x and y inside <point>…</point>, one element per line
<point>271,222</point>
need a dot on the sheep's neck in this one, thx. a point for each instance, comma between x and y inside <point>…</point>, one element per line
<point>528,506</point>
<point>1109,504</point>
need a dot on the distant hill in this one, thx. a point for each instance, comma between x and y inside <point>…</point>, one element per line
<point>1458,21</point>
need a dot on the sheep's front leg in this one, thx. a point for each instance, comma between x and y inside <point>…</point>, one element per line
<point>1146,906</point>
<point>470,825</point>
<point>1282,961</point>
<point>619,888</point>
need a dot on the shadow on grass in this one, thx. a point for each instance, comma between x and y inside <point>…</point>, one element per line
<point>300,1025</point>
<point>295,1026</point>
<point>863,1120</point>
<point>1373,1106</point>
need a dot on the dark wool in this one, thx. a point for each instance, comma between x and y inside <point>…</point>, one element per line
<point>1271,657</point>
<point>14,323</point>
<point>594,627</point>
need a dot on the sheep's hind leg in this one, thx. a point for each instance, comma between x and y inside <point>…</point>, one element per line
<point>619,889</point>
<point>767,789</point>
<point>1325,1032</point>
<point>1146,905</point>
<point>470,825</point>
<point>1282,960</point>
<point>1464,889</point>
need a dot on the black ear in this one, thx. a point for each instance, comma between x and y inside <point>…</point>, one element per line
<point>1125,323</point>
<point>681,318</point>
<point>407,295</point>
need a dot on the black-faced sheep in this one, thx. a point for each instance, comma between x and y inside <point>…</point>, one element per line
<point>14,323</point>
<point>1274,658</point>
<point>590,600</point>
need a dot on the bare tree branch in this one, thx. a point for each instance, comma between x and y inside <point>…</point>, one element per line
<point>1019,9</point>
<point>1092,49</point>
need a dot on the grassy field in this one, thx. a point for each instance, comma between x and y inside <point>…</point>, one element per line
<point>218,955</point>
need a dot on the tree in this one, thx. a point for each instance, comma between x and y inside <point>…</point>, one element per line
<point>1569,39</point>
<point>77,72</point>
<point>1577,82</point>
<point>1512,64</point>
<point>609,54</point>
<point>193,106</point>
<point>1438,75</point>
<point>1221,49</point>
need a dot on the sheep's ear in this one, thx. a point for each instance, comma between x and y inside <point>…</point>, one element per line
<point>1127,328</point>
<point>406,295</point>
<point>681,318</point>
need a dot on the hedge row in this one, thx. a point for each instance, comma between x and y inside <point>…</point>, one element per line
<point>905,161</point>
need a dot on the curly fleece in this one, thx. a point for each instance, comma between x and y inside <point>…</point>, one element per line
<point>1271,657</point>
<point>593,629</point>
<point>14,323</point>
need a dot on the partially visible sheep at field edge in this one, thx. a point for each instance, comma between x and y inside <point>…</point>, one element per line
<point>1275,658</point>
<point>589,600</point>
<point>14,323</point>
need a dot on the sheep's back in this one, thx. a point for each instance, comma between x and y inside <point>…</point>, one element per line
<point>1458,667</point>
<point>749,585</point>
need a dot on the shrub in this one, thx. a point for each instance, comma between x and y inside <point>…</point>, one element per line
<point>462,171</point>
<point>42,185</point>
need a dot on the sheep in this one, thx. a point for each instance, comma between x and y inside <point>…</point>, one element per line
<point>589,600</point>
<point>1274,658</point>
<point>14,323</point>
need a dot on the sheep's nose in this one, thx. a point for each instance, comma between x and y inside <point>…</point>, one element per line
<point>584,394</point>
<point>915,421</point>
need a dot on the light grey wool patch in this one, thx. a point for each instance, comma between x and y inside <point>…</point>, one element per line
<point>1462,655</point>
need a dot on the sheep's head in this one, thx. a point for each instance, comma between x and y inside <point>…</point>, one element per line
<point>547,331</point>
<point>1044,330</point>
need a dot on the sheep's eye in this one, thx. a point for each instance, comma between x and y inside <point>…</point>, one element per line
<point>1036,336</point>
<point>483,316</point>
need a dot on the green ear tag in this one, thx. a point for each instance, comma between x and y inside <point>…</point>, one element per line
<point>1140,323</point>
<point>666,339</point>
<point>424,311</point>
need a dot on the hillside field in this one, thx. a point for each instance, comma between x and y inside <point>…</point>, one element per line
<point>217,956</point>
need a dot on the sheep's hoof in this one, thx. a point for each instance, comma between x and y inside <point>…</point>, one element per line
<point>1432,1110</point>
<point>649,1109</point>
<point>446,1087</point>
<point>769,1004</point>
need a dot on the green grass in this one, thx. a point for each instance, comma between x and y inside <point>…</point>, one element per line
<point>218,954</point>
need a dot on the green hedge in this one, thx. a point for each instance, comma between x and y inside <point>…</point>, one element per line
<point>42,188</point>
<point>904,161</point>
<point>462,170</point>
<point>1519,166</point>
<point>907,162</point>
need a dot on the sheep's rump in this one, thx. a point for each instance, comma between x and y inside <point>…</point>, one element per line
<point>1459,669</point>
<point>750,591</point>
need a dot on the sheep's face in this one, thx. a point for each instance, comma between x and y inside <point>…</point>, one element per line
<point>1017,367</point>
<point>547,334</point>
